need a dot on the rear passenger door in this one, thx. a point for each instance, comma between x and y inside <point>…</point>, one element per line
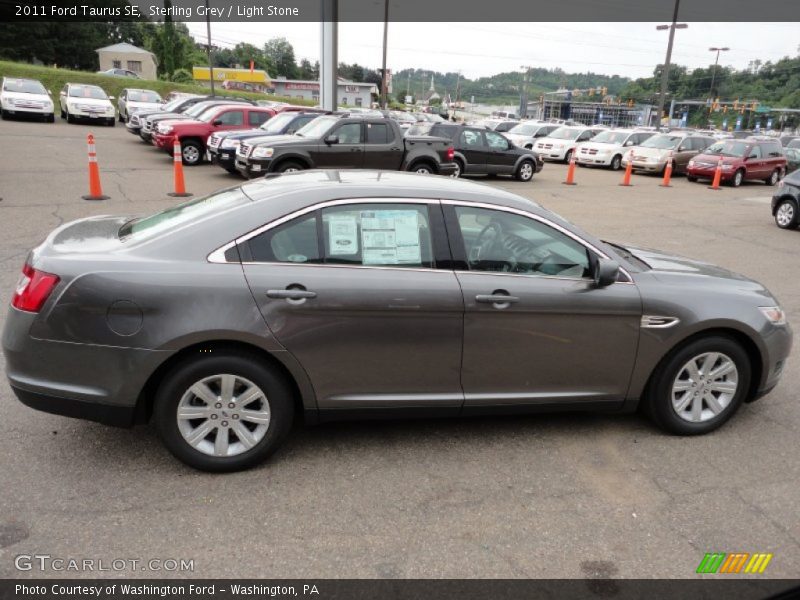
<point>499,160</point>
<point>360,293</point>
<point>257,118</point>
<point>472,146</point>
<point>382,150</point>
<point>755,163</point>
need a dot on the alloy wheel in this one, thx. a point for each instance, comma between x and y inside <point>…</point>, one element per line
<point>191,155</point>
<point>223,415</point>
<point>704,387</point>
<point>785,214</point>
<point>525,171</point>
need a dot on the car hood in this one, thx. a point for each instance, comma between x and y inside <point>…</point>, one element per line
<point>664,262</point>
<point>517,137</point>
<point>181,122</point>
<point>283,140</point>
<point>651,152</point>
<point>89,101</point>
<point>600,147</point>
<point>22,96</point>
<point>549,140</point>
<point>142,106</point>
<point>246,134</point>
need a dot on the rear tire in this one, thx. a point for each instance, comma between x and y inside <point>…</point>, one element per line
<point>773,177</point>
<point>51,118</point>
<point>691,178</point>
<point>70,118</point>
<point>786,214</point>
<point>525,171</point>
<point>274,407</point>
<point>684,403</point>
<point>422,168</point>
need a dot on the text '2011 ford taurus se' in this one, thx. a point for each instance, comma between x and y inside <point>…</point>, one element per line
<point>357,293</point>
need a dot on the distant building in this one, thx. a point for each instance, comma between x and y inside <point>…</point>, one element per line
<point>349,93</point>
<point>127,56</point>
<point>256,80</point>
<point>431,94</point>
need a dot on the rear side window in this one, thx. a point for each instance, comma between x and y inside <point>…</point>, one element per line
<point>378,133</point>
<point>257,118</point>
<point>292,242</point>
<point>771,149</point>
<point>471,138</point>
<point>755,151</point>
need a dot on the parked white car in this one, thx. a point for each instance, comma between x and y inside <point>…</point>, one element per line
<point>132,100</point>
<point>607,148</point>
<point>525,135</point>
<point>561,143</point>
<point>25,96</point>
<point>82,101</point>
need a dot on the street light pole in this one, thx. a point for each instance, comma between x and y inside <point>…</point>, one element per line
<point>523,100</point>
<point>384,80</point>
<point>665,72</point>
<point>716,62</point>
<point>208,48</point>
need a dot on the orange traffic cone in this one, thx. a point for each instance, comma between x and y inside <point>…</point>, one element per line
<point>177,169</point>
<point>626,179</point>
<point>717,176</point>
<point>571,170</point>
<point>95,189</point>
<point>667,172</point>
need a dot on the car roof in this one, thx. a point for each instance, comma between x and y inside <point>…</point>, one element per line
<point>364,183</point>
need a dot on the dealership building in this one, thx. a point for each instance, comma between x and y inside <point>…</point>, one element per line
<point>349,93</point>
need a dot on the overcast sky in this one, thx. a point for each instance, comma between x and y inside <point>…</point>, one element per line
<point>479,49</point>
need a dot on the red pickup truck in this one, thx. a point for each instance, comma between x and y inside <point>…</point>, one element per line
<point>193,133</point>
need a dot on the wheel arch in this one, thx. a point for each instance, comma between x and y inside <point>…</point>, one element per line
<point>298,158</point>
<point>748,344</point>
<point>780,200</point>
<point>423,160</point>
<point>302,395</point>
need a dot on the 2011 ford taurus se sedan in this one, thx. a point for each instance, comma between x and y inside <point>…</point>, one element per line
<point>340,294</point>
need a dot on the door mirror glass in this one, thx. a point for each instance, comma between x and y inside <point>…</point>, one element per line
<point>332,139</point>
<point>217,122</point>
<point>753,155</point>
<point>606,272</point>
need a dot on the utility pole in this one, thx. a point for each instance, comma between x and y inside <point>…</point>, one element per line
<point>384,80</point>
<point>665,72</point>
<point>208,49</point>
<point>716,62</point>
<point>523,100</point>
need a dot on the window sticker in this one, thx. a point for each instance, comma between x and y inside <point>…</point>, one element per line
<point>390,237</point>
<point>342,235</point>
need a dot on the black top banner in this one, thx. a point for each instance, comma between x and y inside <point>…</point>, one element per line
<point>402,10</point>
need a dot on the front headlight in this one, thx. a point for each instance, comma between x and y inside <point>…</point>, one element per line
<point>230,143</point>
<point>726,167</point>
<point>165,129</point>
<point>262,153</point>
<point>691,163</point>
<point>774,314</point>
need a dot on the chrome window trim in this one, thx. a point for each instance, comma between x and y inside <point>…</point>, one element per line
<point>544,221</point>
<point>218,255</point>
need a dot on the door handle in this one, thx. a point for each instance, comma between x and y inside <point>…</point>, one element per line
<point>496,299</point>
<point>291,294</point>
<point>355,149</point>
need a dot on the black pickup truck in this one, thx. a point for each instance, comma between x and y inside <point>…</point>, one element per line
<point>347,142</point>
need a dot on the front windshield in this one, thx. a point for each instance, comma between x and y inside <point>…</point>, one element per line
<point>662,142</point>
<point>524,129</point>
<point>565,133</point>
<point>198,109</point>
<point>208,114</point>
<point>143,96</point>
<point>173,104</point>
<point>175,216</point>
<point>278,122</point>
<point>24,86</point>
<point>87,91</point>
<point>727,148</point>
<point>317,127</point>
<point>611,137</point>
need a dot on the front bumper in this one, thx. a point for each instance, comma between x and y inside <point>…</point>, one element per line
<point>252,167</point>
<point>133,128</point>
<point>589,159</point>
<point>28,110</point>
<point>778,343</point>
<point>640,165</point>
<point>224,157</point>
<point>551,154</point>
<point>708,173</point>
<point>163,141</point>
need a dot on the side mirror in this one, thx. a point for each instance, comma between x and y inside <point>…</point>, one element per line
<point>332,139</point>
<point>217,122</point>
<point>510,145</point>
<point>606,272</point>
<point>111,97</point>
<point>681,148</point>
<point>752,156</point>
<point>290,131</point>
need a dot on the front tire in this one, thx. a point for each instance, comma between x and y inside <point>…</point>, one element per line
<point>786,215</point>
<point>616,163</point>
<point>191,153</point>
<point>738,178</point>
<point>698,387</point>
<point>568,156</point>
<point>289,166</point>
<point>525,171</point>
<point>223,412</point>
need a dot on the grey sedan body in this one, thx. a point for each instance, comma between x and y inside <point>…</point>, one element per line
<point>340,294</point>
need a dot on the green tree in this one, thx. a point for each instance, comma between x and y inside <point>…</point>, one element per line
<point>281,53</point>
<point>244,53</point>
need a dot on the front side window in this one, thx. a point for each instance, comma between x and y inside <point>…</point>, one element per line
<point>497,241</point>
<point>349,133</point>
<point>232,117</point>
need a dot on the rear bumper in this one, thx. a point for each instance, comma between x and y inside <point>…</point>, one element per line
<point>107,414</point>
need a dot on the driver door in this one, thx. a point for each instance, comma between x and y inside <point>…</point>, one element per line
<point>536,329</point>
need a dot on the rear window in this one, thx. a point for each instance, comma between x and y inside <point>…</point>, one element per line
<point>176,216</point>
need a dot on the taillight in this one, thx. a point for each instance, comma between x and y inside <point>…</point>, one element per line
<point>33,289</point>
<point>451,152</point>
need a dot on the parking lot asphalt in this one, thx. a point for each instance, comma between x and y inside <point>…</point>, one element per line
<point>574,495</point>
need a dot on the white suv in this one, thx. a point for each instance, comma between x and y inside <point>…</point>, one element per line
<point>561,143</point>
<point>82,101</point>
<point>606,149</point>
<point>25,96</point>
<point>133,100</point>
